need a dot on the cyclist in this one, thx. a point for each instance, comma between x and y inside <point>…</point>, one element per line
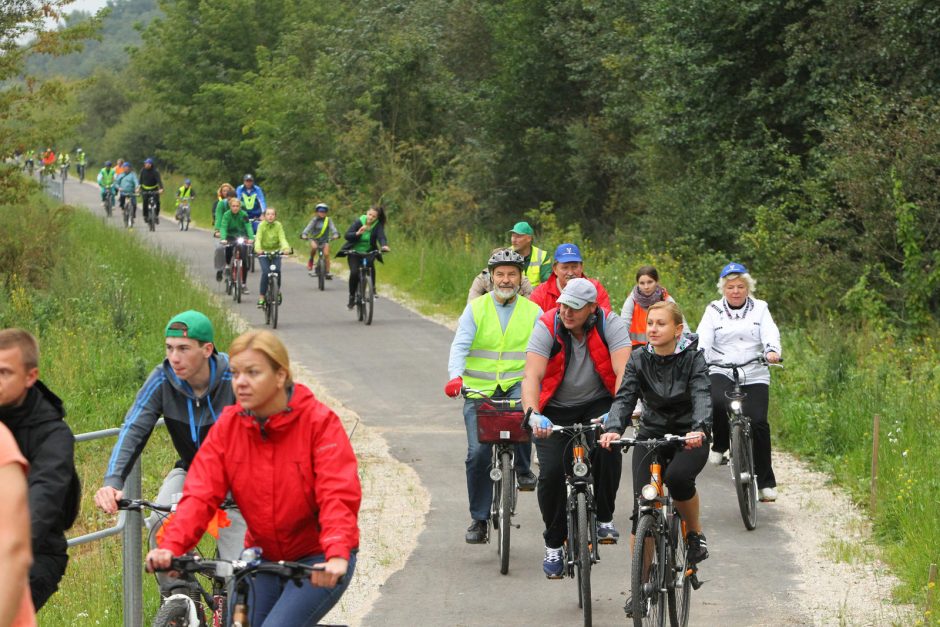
<point>252,198</point>
<point>487,355</point>
<point>189,389</point>
<point>573,367</point>
<point>233,224</point>
<point>538,262</point>
<point>152,182</point>
<point>270,238</point>
<point>106,181</point>
<point>483,283</point>
<point>65,162</point>
<point>184,193</point>
<point>287,461</point>
<point>365,234</point>
<point>127,184</point>
<point>670,374</point>
<point>30,160</point>
<point>735,329</point>
<point>80,162</point>
<point>320,230</point>
<point>646,292</point>
<point>567,265</point>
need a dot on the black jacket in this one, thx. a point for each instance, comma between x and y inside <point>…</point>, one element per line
<point>150,177</point>
<point>376,240</point>
<point>47,443</point>
<point>674,388</point>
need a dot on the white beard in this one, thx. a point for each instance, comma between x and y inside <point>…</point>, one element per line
<point>505,294</point>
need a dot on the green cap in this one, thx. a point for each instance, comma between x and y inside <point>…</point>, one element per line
<point>522,228</point>
<point>191,324</point>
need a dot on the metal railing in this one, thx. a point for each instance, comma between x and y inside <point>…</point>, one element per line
<point>55,187</point>
<point>129,524</point>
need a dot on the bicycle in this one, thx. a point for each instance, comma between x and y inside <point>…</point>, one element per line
<point>64,170</point>
<point>234,283</point>
<point>129,208</point>
<point>365,293</point>
<point>319,267</point>
<point>742,444</point>
<point>660,574</point>
<point>581,546</point>
<point>498,423</point>
<point>80,171</point>
<point>149,198</point>
<point>272,296</point>
<point>184,215</point>
<point>108,201</point>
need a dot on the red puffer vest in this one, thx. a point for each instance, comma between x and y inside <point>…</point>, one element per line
<point>558,361</point>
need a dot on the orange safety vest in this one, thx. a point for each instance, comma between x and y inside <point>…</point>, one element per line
<point>558,361</point>
<point>638,323</point>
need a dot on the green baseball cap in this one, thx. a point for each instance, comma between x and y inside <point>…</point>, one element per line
<point>191,324</point>
<point>522,228</point>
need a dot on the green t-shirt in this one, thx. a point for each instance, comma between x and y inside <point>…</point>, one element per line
<point>364,244</point>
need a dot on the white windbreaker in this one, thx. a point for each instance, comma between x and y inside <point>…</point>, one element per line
<point>738,335</point>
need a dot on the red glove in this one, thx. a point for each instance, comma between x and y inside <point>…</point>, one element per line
<point>452,389</point>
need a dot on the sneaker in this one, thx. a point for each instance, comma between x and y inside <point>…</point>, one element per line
<point>156,220</point>
<point>476,532</point>
<point>351,303</point>
<point>607,533</point>
<point>218,276</point>
<point>310,264</point>
<point>554,563</point>
<point>280,298</point>
<point>526,481</point>
<point>697,550</point>
<point>261,303</point>
<point>718,458</point>
<point>328,277</point>
<point>244,289</point>
<point>768,495</point>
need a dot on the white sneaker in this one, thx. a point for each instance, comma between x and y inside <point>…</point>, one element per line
<point>715,458</point>
<point>768,495</point>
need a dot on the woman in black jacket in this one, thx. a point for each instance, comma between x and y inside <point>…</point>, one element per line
<point>671,377</point>
<point>365,234</point>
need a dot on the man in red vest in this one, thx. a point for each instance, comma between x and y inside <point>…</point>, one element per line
<point>568,265</point>
<point>574,363</point>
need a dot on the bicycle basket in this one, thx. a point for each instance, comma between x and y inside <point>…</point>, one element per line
<point>497,425</point>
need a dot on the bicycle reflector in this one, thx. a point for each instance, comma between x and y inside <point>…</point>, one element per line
<point>650,492</point>
<point>735,405</point>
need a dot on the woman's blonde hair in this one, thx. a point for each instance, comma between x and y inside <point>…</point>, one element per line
<point>671,309</point>
<point>267,343</point>
<point>751,283</point>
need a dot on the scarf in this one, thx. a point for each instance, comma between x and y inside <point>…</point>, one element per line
<point>737,313</point>
<point>645,301</point>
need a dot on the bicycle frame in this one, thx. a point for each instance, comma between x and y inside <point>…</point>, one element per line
<point>580,480</point>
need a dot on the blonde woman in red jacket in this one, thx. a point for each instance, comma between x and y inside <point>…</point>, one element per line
<point>288,463</point>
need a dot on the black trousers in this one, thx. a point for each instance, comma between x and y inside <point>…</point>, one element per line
<point>681,467</point>
<point>355,261</point>
<point>755,406</point>
<point>555,460</point>
<point>45,575</point>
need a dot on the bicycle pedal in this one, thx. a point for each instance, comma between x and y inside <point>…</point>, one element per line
<point>607,541</point>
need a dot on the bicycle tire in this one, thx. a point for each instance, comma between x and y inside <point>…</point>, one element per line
<point>360,301</point>
<point>173,613</point>
<point>506,486</point>
<point>679,596</point>
<point>648,604</point>
<point>321,271</point>
<point>742,471</point>
<point>237,276</point>
<point>584,559</point>
<point>273,304</point>
<point>368,299</point>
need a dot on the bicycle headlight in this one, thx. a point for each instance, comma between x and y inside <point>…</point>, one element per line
<point>649,492</point>
<point>496,474</point>
<point>735,405</point>
<point>580,469</point>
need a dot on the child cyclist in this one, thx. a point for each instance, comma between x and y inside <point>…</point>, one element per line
<point>270,239</point>
<point>320,231</point>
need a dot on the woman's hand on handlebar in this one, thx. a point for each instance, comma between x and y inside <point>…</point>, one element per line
<point>773,357</point>
<point>385,249</point>
<point>696,441</point>
<point>607,438</point>
<point>333,569</point>
<point>158,559</point>
<point>541,425</point>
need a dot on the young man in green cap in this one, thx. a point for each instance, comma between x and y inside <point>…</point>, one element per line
<point>538,262</point>
<point>189,389</point>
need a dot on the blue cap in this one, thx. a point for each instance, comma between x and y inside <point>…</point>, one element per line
<point>733,268</point>
<point>127,164</point>
<point>107,164</point>
<point>566,253</point>
<point>187,182</point>
<point>148,161</point>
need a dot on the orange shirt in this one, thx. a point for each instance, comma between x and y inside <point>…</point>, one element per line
<point>10,454</point>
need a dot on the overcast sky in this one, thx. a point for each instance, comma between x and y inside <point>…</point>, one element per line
<point>90,6</point>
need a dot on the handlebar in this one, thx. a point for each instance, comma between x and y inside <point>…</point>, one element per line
<point>667,440</point>
<point>141,504</point>
<point>227,568</point>
<point>759,359</point>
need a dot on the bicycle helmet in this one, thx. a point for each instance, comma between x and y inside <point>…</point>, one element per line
<point>108,164</point>
<point>506,257</point>
<point>322,207</point>
<point>248,177</point>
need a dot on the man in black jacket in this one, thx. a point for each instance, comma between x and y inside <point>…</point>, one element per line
<point>35,416</point>
<point>151,183</point>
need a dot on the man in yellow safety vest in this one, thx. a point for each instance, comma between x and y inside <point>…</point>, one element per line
<point>538,262</point>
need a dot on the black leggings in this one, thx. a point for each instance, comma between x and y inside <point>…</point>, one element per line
<point>755,406</point>
<point>680,468</point>
<point>555,458</point>
<point>354,262</point>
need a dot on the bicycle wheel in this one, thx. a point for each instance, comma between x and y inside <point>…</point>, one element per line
<point>360,301</point>
<point>237,278</point>
<point>321,271</point>
<point>176,612</point>
<point>678,586</point>
<point>506,486</point>
<point>583,563</point>
<point>742,470</point>
<point>152,216</point>
<point>274,293</point>
<point>648,602</point>
<point>368,298</point>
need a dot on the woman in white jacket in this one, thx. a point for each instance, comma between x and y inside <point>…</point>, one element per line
<point>735,329</point>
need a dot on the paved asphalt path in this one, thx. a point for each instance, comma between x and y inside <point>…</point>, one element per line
<point>392,374</point>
